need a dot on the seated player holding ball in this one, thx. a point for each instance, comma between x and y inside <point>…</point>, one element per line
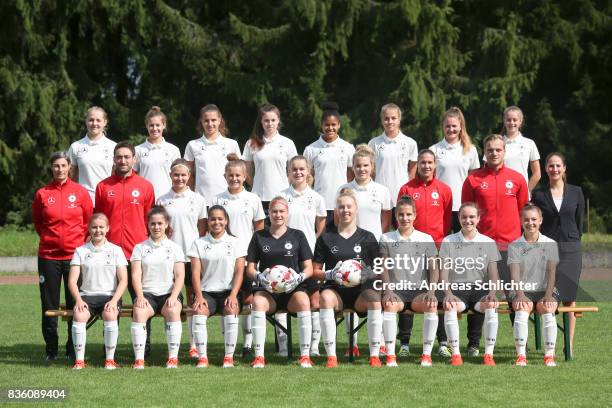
<point>101,266</point>
<point>270,250</point>
<point>217,265</point>
<point>533,260</point>
<point>158,266</point>
<point>349,242</point>
<point>421,249</point>
<point>468,257</point>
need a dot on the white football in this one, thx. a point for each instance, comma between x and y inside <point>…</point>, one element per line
<point>278,276</point>
<point>350,270</point>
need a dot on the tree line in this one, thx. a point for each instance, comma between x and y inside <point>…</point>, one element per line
<point>551,58</point>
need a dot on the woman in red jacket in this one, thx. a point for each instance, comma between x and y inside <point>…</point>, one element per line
<point>60,212</point>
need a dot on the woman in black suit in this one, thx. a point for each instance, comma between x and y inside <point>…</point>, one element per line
<point>562,207</point>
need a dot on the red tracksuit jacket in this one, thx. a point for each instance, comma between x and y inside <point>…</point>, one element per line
<point>126,202</point>
<point>60,213</point>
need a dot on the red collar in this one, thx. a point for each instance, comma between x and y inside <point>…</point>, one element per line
<point>120,179</point>
<point>57,185</point>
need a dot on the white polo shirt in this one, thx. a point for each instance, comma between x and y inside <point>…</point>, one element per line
<point>210,159</point>
<point>153,163</point>
<point>480,252</point>
<point>520,151</point>
<point>94,160</point>
<point>452,166</point>
<point>533,258</point>
<point>218,257</point>
<point>304,208</point>
<point>157,262</point>
<point>243,209</point>
<point>392,157</point>
<point>329,162</point>
<point>418,247</point>
<point>372,199</point>
<point>270,165</point>
<point>98,268</point>
<point>185,210</point>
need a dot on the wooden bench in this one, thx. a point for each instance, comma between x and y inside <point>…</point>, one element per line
<point>126,311</point>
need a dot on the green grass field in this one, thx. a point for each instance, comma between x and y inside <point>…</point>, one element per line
<point>585,381</point>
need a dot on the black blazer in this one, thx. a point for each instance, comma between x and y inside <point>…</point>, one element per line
<point>564,225</point>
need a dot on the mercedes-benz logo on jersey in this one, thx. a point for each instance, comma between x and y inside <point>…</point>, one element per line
<point>51,200</point>
<point>145,154</point>
<point>441,153</point>
<point>509,184</point>
<point>435,195</point>
<point>334,249</point>
<point>381,146</point>
<point>266,248</point>
<point>484,185</point>
<point>288,245</point>
<point>357,249</point>
<point>135,193</point>
<point>72,198</point>
<point>416,196</point>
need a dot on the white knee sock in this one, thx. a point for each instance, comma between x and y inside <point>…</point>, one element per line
<point>259,332</point>
<point>174,331</point>
<point>316,332</point>
<point>111,334</point>
<point>490,330</point>
<point>79,338</point>
<point>231,333</point>
<point>390,331</point>
<point>247,331</point>
<point>328,331</point>
<point>190,331</point>
<point>139,338</point>
<point>355,324</point>
<point>430,326</point>
<point>521,331</point>
<point>200,334</point>
<point>452,330</point>
<point>550,333</point>
<point>280,335</point>
<point>305,331</point>
<point>374,329</point>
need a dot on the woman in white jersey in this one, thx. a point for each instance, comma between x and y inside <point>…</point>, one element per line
<point>158,268</point>
<point>467,258</point>
<point>331,159</point>
<point>266,154</point>
<point>307,213</point>
<point>155,156</point>
<point>246,215</point>
<point>533,260</point>
<point>217,270</point>
<point>395,153</point>
<point>421,249</point>
<point>207,155</point>
<point>521,153</point>
<point>91,158</point>
<point>102,268</point>
<point>187,211</point>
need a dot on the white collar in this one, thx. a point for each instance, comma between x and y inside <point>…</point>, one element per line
<point>213,240</point>
<point>296,193</point>
<point>217,140</point>
<point>157,245</point>
<point>94,142</point>
<point>450,146</point>
<point>329,144</point>
<point>271,139</point>
<point>396,139</point>
<point>155,146</point>
<point>361,188</point>
<point>184,193</point>
<point>517,139</point>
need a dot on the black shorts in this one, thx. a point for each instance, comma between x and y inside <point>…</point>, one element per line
<point>157,302</point>
<point>535,297</point>
<point>216,301</point>
<point>282,299</point>
<point>187,279</point>
<point>407,296</point>
<point>96,303</point>
<point>470,297</point>
<point>349,295</point>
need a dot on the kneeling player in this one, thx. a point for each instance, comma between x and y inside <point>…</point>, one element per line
<point>467,258</point>
<point>158,266</point>
<point>280,245</point>
<point>102,268</point>
<point>418,247</point>
<point>532,260</point>
<point>348,242</point>
<point>217,265</point>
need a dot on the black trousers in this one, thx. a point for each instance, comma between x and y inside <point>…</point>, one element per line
<point>50,275</point>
